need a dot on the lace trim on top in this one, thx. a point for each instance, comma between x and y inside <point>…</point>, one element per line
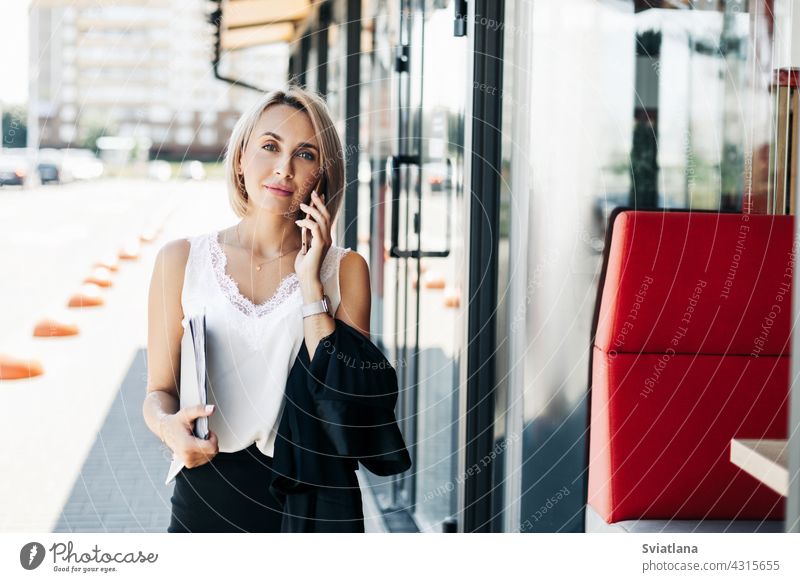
<point>286,288</point>
<point>331,261</point>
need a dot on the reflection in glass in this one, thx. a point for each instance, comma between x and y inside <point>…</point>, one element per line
<point>628,106</point>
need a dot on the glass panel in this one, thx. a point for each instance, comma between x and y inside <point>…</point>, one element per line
<point>624,105</point>
<point>336,71</point>
<point>312,69</point>
<point>406,270</point>
<point>439,310</point>
<point>689,69</point>
<point>379,141</point>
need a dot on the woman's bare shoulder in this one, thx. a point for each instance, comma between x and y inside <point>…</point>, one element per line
<point>352,263</point>
<point>176,250</point>
<point>173,256</point>
<point>355,294</point>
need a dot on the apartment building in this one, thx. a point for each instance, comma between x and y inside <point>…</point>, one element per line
<point>144,70</point>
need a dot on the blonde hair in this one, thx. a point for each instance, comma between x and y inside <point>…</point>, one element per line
<point>331,152</point>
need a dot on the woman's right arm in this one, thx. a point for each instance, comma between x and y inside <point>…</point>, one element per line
<point>161,407</point>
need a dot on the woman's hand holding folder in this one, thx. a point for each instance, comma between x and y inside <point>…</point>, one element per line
<point>176,431</point>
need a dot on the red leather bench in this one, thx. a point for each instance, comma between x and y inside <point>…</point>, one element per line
<point>691,350</point>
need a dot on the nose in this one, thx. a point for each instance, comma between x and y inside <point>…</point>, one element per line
<point>283,169</point>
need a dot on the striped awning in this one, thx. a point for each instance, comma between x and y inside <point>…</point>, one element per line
<point>247,23</point>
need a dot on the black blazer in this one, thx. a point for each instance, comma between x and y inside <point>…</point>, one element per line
<point>338,411</point>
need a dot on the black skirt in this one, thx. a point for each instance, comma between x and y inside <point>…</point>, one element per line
<point>228,494</point>
<point>324,510</point>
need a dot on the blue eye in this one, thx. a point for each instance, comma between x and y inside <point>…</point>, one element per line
<point>310,157</point>
<point>269,144</point>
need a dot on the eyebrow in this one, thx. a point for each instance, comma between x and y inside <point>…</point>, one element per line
<point>303,144</point>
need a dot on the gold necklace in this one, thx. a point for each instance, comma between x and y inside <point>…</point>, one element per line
<point>258,267</point>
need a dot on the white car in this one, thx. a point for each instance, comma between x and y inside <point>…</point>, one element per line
<point>159,170</point>
<point>192,170</point>
<point>82,164</point>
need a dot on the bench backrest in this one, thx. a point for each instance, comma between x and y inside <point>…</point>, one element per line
<point>691,350</point>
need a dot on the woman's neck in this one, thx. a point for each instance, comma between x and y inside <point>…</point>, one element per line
<point>267,236</point>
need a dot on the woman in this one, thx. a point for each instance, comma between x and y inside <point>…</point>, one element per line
<point>262,294</point>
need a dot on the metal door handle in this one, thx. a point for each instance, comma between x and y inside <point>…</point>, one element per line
<point>393,164</point>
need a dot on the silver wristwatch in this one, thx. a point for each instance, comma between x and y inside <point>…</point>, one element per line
<point>321,306</point>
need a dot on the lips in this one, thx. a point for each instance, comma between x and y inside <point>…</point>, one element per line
<point>281,190</point>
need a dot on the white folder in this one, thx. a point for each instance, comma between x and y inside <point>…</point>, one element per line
<point>193,389</point>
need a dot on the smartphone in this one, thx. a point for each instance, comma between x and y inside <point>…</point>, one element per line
<point>305,238</point>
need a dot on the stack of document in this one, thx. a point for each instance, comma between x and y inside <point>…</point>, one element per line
<point>194,389</point>
<point>194,379</point>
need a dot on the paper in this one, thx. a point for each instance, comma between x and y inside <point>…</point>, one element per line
<point>197,328</point>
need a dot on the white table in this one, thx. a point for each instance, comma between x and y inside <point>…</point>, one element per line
<point>766,460</point>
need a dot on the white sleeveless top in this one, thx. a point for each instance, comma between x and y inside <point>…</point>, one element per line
<point>250,349</point>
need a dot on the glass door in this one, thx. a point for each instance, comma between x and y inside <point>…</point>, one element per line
<point>416,150</point>
<point>436,274</point>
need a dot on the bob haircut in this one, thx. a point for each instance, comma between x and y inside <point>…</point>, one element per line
<point>331,153</point>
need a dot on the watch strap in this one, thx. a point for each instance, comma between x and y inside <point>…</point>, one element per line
<point>321,306</point>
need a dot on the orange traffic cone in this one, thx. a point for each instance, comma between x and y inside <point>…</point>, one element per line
<point>110,262</point>
<point>101,277</point>
<point>130,250</point>
<point>434,280</point>
<point>55,326</point>
<point>452,298</point>
<point>16,369</point>
<point>149,234</point>
<point>87,296</point>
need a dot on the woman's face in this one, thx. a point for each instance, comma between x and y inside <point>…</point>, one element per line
<point>281,163</point>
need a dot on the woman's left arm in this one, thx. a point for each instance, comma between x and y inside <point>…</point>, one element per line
<point>354,305</point>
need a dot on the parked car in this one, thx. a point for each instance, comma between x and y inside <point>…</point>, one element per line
<point>192,170</point>
<point>16,169</point>
<point>159,170</point>
<point>82,164</point>
<point>51,167</point>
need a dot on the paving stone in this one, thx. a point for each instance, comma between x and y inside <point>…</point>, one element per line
<point>121,488</point>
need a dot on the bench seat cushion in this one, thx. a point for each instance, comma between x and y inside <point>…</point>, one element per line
<point>691,350</point>
<point>596,524</point>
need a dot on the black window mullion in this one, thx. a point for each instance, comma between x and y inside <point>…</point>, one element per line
<point>483,259</point>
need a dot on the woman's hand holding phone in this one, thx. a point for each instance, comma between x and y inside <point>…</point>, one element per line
<point>316,224</point>
<point>303,230</point>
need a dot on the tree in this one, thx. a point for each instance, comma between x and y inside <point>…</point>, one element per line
<point>93,132</point>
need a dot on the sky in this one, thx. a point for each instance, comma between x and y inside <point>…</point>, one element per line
<point>14,52</point>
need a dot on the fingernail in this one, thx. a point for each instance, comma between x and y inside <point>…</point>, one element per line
<point>209,408</point>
